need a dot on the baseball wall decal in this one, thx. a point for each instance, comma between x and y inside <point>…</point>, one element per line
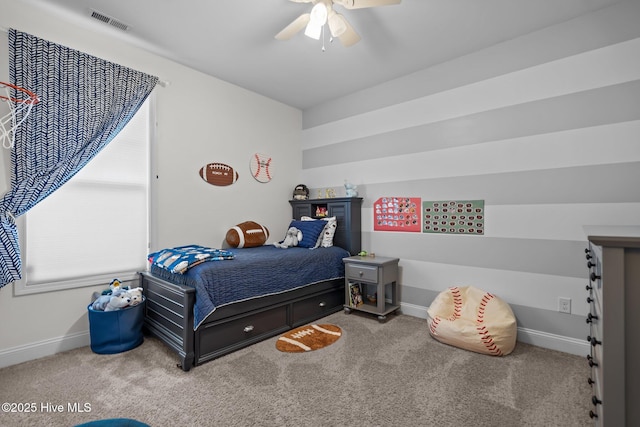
<point>261,167</point>
<point>218,174</point>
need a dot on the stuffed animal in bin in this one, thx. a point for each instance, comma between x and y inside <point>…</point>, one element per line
<point>117,300</point>
<point>115,285</point>
<point>293,237</point>
<point>135,295</point>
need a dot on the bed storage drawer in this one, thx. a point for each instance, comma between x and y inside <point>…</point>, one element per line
<point>317,306</point>
<point>222,337</point>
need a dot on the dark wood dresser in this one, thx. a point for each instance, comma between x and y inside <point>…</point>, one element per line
<point>613,259</point>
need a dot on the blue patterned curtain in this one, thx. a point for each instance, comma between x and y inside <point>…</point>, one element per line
<point>84,102</point>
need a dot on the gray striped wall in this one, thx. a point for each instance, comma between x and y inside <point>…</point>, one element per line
<point>544,128</point>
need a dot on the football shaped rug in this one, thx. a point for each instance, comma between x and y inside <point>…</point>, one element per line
<point>308,338</point>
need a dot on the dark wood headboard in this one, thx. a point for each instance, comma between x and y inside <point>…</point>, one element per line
<point>347,211</point>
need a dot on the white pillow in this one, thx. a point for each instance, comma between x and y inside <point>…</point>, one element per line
<point>326,237</point>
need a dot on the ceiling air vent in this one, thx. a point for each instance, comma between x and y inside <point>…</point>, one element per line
<point>108,20</point>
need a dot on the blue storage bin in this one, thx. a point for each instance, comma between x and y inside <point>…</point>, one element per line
<point>116,331</point>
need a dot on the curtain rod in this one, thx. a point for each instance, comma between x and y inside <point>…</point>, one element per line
<point>163,83</point>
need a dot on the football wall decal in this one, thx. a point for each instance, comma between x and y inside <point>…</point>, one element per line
<point>218,174</point>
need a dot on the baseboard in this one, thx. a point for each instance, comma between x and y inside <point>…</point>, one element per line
<point>413,310</point>
<point>579,347</point>
<point>569,345</point>
<point>36,350</point>
<point>15,355</point>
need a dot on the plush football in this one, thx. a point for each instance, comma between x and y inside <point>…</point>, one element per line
<point>247,234</point>
<point>218,174</point>
<point>308,338</point>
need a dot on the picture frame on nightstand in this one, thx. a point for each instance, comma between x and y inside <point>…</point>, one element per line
<point>355,293</point>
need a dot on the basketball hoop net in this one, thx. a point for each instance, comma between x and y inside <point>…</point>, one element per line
<point>9,121</point>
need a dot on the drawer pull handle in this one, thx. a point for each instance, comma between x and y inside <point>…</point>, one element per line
<point>590,264</point>
<point>322,304</point>
<point>595,400</point>
<point>248,329</point>
<point>589,287</point>
<point>593,414</point>
<point>594,277</point>
<point>360,273</point>
<point>590,381</point>
<point>591,362</point>
<point>590,300</point>
<point>591,318</point>
<point>594,342</point>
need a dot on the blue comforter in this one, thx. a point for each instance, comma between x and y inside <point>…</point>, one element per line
<point>256,272</point>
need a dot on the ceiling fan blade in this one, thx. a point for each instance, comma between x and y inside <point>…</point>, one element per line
<point>361,4</point>
<point>349,37</point>
<point>292,29</point>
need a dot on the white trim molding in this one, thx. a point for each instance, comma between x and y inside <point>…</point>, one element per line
<point>561,343</point>
<point>48,347</point>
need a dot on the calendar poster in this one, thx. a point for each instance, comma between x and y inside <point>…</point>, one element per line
<point>453,217</point>
<point>396,214</point>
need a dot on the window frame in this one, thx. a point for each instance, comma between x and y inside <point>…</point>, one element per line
<point>23,287</point>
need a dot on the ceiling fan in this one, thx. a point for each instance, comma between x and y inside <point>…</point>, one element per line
<point>323,13</point>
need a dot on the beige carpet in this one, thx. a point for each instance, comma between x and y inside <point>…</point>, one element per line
<point>391,374</point>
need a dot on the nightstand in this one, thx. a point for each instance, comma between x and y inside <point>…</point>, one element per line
<point>366,281</point>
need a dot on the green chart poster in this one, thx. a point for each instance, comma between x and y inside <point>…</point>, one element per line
<point>453,216</point>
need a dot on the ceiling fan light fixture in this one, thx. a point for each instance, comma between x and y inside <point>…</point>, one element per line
<point>319,14</point>
<point>313,31</point>
<point>322,13</point>
<point>317,20</point>
<point>337,24</point>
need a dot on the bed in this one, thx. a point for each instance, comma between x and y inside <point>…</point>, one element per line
<point>217,307</point>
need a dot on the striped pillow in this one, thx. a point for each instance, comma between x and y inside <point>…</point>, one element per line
<point>311,230</point>
<point>326,237</point>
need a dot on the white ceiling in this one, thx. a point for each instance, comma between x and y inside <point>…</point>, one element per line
<point>234,39</point>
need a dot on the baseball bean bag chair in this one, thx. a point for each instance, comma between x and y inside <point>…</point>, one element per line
<point>472,319</point>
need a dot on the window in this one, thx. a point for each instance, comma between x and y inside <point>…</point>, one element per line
<point>95,228</point>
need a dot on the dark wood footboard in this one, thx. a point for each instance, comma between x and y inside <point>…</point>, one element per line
<point>169,317</point>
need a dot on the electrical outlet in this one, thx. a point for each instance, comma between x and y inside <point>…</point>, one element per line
<point>564,305</point>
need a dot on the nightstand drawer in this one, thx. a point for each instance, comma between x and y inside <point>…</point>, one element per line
<point>365,273</point>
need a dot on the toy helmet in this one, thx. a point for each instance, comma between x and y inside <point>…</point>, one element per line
<point>301,192</point>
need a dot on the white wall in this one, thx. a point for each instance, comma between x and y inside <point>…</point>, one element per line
<point>200,120</point>
<point>544,128</point>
